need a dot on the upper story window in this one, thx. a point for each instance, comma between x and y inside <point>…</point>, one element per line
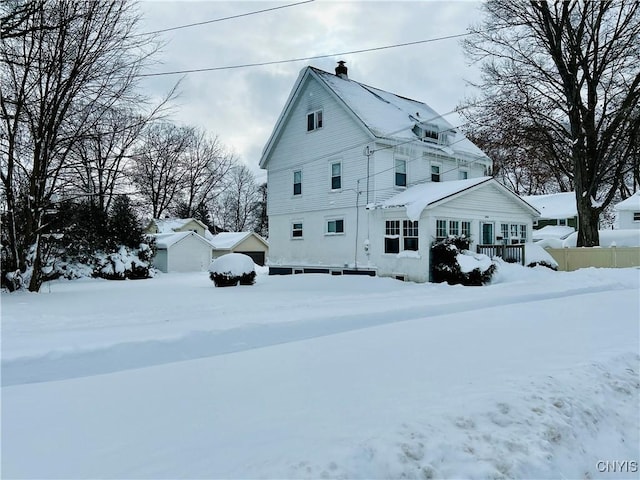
<point>636,216</point>
<point>435,173</point>
<point>314,120</point>
<point>426,133</point>
<point>463,174</point>
<point>297,182</point>
<point>336,176</point>
<point>401,173</point>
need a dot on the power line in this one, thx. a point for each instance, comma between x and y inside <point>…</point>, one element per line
<point>225,18</point>
<point>291,60</point>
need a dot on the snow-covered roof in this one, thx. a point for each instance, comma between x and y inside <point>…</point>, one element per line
<point>418,197</point>
<point>169,225</point>
<point>554,205</point>
<point>630,204</point>
<point>552,231</point>
<point>228,240</point>
<point>388,115</point>
<point>166,240</point>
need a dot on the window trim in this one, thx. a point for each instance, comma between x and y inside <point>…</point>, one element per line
<point>334,220</point>
<point>396,232</point>
<point>315,120</point>
<point>396,173</point>
<point>331,176</point>
<point>299,194</point>
<point>294,230</point>
<point>439,167</point>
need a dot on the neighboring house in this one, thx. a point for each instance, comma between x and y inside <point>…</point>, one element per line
<point>170,225</point>
<point>628,213</point>
<point>363,181</point>
<point>183,244</point>
<point>555,209</point>
<point>182,252</point>
<point>248,243</point>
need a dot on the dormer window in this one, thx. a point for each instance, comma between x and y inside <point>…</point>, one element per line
<point>314,120</point>
<point>426,133</point>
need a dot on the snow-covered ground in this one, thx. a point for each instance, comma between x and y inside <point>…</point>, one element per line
<point>318,376</point>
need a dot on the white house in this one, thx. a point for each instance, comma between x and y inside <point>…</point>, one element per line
<point>361,180</point>
<point>628,213</point>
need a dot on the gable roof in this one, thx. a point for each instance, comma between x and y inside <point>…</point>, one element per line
<point>170,225</point>
<point>554,205</point>
<point>382,114</point>
<point>167,240</point>
<point>430,194</point>
<point>630,204</point>
<point>229,240</point>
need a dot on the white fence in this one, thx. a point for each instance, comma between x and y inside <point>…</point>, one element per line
<point>570,259</point>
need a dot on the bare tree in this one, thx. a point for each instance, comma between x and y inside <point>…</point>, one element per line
<point>236,207</point>
<point>571,70</point>
<point>72,63</point>
<point>158,170</point>
<point>206,162</point>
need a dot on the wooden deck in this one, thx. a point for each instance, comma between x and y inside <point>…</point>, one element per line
<point>509,253</point>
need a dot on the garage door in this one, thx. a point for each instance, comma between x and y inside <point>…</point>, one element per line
<point>258,257</point>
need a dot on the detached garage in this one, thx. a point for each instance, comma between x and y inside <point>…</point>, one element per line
<point>182,252</point>
<point>249,243</point>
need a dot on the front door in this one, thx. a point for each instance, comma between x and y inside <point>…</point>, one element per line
<point>486,229</point>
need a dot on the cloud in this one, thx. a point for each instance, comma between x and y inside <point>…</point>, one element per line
<point>242,105</point>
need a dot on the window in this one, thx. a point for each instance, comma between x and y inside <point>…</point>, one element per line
<point>446,228</point>
<point>562,221</point>
<point>335,226</point>
<point>392,236</point>
<point>297,182</point>
<point>523,233</point>
<point>441,229</point>
<point>296,230</point>
<point>636,216</point>
<point>463,174</point>
<point>466,229</point>
<point>314,120</point>
<point>336,176</point>
<point>410,234</point>
<point>401,173</point>
<point>435,173</point>
<point>504,231</point>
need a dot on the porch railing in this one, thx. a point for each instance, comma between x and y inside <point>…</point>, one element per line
<point>509,253</point>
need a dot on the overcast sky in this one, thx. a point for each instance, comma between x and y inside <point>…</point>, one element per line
<point>241,105</point>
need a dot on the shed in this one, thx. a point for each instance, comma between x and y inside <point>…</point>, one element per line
<point>628,213</point>
<point>249,243</point>
<point>182,252</point>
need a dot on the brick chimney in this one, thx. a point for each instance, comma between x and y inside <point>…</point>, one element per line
<point>341,70</point>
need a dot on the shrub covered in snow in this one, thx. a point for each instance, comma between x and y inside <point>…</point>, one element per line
<point>231,269</point>
<point>535,254</point>
<point>452,262</point>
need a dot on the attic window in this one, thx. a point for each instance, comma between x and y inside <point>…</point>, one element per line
<point>636,216</point>
<point>426,133</point>
<point>314,120</point>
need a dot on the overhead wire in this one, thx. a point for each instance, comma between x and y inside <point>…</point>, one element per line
<point>231,17</point>
<point>300,59</point>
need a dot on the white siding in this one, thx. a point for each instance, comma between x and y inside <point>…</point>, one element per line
<point>340,139</point>
<point>625,220</point>
<point>189,255</point>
